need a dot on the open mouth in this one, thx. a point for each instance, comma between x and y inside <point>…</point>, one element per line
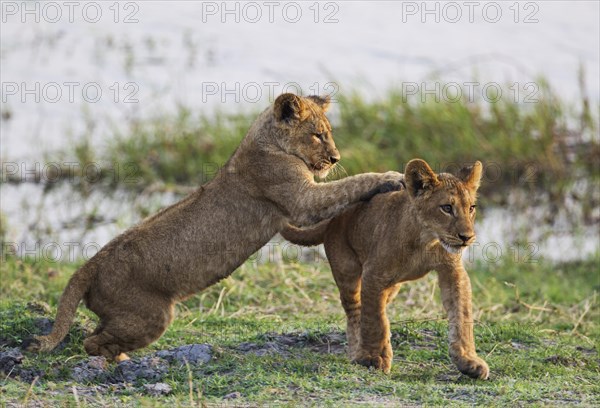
<point>320,169</point>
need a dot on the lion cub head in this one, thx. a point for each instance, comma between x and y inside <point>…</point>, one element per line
<point>445,204</point>
<point>305,131</point>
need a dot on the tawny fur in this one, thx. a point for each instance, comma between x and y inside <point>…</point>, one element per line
<point>134,281</point>
<point>398,237</point>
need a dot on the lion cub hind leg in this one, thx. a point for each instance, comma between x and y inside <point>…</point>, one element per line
<point>102,344</point>
<point>375,349</point>
<point>128,332</point>
<point>347,274</point>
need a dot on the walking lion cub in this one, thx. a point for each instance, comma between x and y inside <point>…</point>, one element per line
<point>133,282</point>
<point>398,237</point>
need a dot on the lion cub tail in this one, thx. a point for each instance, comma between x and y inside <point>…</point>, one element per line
<point>306,236</point>
<point>77,287</point>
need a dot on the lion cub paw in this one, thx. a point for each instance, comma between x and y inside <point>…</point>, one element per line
<point>393,181</point>
<point>389,181</point>
<point>383,363</point>
<point>474,367</point>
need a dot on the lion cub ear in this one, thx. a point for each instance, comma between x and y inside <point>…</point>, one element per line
<point>322,101</point>
<point>419,177</point>
<point>290,108</point>
<point>471,175</point>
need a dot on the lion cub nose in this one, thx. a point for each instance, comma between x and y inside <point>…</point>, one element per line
<point>334,159</point>
<point>465,238</point>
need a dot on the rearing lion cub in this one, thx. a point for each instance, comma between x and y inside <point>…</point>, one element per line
<point>133,282</point>
<point>399,237</point>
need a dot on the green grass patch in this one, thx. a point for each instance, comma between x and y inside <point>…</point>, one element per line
<point>277,337</point>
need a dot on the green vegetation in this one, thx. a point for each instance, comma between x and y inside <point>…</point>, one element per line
<point>538,327</point>
<point>541,146</point>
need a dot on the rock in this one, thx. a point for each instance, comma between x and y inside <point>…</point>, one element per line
<point>152,368</point>
<point>95,368</point>
<point>148,368</point>
<point>157,389</point>
<point>233,395</point>
<point>28,376</point>
<point>43,324</point>
<point>10,365</point>
<point>192,353</point>
<point>9,359</point>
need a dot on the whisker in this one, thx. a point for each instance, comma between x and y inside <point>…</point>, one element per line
<point>341,169</point>
<point>333,173</point>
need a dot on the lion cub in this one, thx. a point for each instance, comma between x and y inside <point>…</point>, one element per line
<point>134,281</point>
<point>399,237</point>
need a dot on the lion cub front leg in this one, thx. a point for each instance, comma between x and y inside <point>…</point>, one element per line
<point>375,349</point>
<point>456,296</point>
<point>316,202</point>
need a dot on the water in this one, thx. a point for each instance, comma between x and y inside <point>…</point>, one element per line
<point>61,224</point>
<point>180,53</point>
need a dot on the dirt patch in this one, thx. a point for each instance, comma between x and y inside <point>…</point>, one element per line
<point>10,359</point>
<point>91,370</point>
<point>591,351</point>
<point>283,344</point>
<point>267,349</point>
<point>419,339</point>
<point>110,377</point>
<point>330,343</point>
<point>95,375</point>
<point>10,366</point>
<point>148,368</point>
<point>468,395</point>
<point>564,361</point>
<point>326,343</point>
<point>520,346</point>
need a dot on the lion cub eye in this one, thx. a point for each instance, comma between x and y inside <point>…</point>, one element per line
<point>446,208</point>
<point>319,136</point>
<point>472,208</point>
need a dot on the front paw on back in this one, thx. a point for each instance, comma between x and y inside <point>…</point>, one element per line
<point>390,186</point>
<point>474,367</point>
<point>391,182</point>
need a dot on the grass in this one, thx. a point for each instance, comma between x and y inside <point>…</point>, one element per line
<point>537,327</point>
